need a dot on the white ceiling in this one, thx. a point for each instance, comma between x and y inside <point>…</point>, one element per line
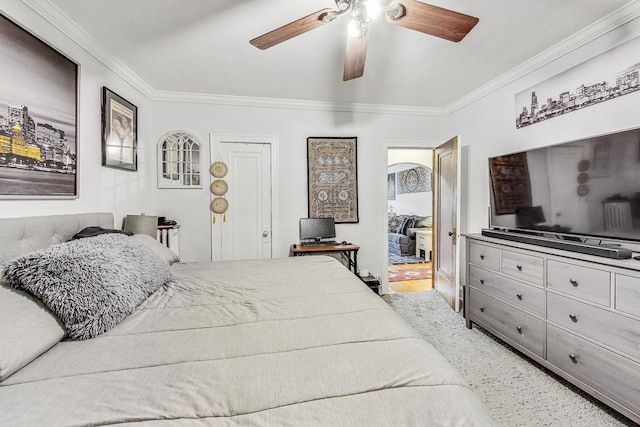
<point>202,47</point>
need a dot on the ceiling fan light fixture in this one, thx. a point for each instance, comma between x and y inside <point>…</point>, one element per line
<point>356,27</point>
<point>373,8</point>
<point>343,4</point>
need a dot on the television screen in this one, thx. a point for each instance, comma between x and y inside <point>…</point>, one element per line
<point>317,228</point>
<point>578,189</point>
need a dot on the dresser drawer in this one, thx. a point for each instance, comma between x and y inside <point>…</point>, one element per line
<point>582,282</point>
<point>523,267</point>
<point>614,330</point>
<point>613,375</point>
<point>628,294</point>
<point>517,293</point>
<point>516,325</point>
<point>485,256</point>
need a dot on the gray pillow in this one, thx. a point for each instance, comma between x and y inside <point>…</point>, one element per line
<point>91,284</point>
<point>158,248</point>
<point>27,329</point>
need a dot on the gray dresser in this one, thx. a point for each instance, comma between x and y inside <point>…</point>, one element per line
<point>576,314</point>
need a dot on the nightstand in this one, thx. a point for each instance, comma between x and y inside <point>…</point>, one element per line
<point>423,243</point>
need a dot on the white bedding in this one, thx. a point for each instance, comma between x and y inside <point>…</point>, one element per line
<point>294,341</point>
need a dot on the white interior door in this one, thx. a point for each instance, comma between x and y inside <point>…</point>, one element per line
<point>245,232</point>
<point>446,225</point>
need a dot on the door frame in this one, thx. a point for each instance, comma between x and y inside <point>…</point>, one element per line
<point>274,142</point>
<point>385,144</point>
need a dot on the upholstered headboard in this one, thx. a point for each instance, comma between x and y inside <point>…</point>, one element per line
<point>22,235</point>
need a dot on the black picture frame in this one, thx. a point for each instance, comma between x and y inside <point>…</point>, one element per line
<point>119,132</point>
<point>332,178</point>
<point>38,134</point>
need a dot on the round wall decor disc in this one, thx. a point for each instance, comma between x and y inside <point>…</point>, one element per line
<point>218,169</point>
<point>219,205</point>
<point>219,187</point>
<point>583,165</point>
<point>583,190</point>
<point>583,178</point>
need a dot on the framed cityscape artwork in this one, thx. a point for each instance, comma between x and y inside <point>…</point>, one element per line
<point>119,132</point>
<point>332,178</point>
<point>38,118</point>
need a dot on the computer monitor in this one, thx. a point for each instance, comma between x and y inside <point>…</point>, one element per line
<point>317,229</point>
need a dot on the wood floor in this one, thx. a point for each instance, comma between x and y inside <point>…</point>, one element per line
<point>410,285</point>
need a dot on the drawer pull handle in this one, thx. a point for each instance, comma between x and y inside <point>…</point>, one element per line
<point>519,296</point>
<point>519,329</point>
<point>519,267</point>
<point>573,358</point>
<point>573,317</point>
<point>574,282</point>
<point>482,281</point>
<point>482,309</point>
<point>481,256</point>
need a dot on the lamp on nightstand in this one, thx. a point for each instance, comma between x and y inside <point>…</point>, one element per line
<point>142,224</point>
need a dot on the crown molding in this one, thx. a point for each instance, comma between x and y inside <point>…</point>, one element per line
<point>293,104</point>
<point>615,19</point>
<point>69,28</point>
<point>52,14</point>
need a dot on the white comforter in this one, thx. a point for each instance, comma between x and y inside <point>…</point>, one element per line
<point>293,341</point>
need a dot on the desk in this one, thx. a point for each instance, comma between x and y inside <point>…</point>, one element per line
<point>350,252</point>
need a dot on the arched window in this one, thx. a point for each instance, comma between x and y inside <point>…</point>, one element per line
<point>179,155</point>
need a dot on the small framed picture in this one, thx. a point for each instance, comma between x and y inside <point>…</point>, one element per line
<point>119,132</point>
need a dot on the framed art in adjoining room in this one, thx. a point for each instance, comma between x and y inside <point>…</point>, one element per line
<point>391,186</point>
<point>38,118</point>
<point>119,132</point>
<point>332,178</point>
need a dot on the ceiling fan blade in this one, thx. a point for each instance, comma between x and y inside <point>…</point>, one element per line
<point>434,20</point>
<point>355,55</point>
<point>290,30</point>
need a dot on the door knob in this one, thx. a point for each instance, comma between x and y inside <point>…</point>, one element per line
<point>265,233</point>
<point>450,233</point>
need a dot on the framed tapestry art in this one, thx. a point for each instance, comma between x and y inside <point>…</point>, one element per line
<point>119,132</point>
<point>332,179</point>
<point>414,180</point>
<point>38,118</point>
<point>508,172</point>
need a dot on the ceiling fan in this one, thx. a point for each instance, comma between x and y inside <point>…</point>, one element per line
<point>411,14</point>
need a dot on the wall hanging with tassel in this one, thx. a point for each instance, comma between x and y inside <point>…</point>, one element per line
<point>219,188</point>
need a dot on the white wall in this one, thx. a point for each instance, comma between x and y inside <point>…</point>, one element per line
<point>292,127</point>
<point>487,126</point>
<point>100,188</point>
<point>400,159</point>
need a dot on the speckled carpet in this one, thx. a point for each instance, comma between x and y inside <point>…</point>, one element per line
<point>517,391</point>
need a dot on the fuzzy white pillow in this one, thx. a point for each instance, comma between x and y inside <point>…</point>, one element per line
<point>91,284</point>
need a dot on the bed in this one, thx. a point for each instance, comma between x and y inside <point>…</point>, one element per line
<point>292,341</point>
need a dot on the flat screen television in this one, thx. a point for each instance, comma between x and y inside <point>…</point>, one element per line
<point>578,190</point>
<point>317,229</point>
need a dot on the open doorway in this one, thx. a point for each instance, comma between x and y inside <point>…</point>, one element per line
<point>409,214</point>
